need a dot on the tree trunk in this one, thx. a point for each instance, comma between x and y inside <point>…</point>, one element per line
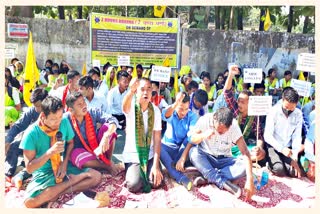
<point>223,18</point>
<point>191,14</point>
<point>231,18</point>
<point>207,15</point>
<point>290,19</point>
<point>261,25</point>
<point>25,11</point>
<point>79,9</point>
<point>217,17</point>
<point>61,12</point>
<point>240,18</point>
<point>305,24</point>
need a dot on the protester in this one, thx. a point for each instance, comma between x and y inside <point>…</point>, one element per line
<point>12,104</point>
<point>156,99</point>
<point>141,153</point>
<point>198,102</point>
<point>165,92</point>
<point>99,86</point>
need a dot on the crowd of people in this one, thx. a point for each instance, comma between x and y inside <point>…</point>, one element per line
<point>69,133</point>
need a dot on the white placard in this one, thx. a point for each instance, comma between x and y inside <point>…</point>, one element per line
<point>124,60</point>
<point>96,63</point>
<point>252,75</point>
<point>259,105</point>
<point>303,87</point>
<point>8,53</point>
<point>17,30</point>
<point>306,62</point>
<point>160,74</point>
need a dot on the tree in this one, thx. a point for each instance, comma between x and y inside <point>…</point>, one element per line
<point>79,8</point>
<point>223,18</point>
<point>240,18</point>
<point>290,19</point>
<point>217,17</point>
<point>207,15</point>
<point>61,12</point>
<point>231,18</point>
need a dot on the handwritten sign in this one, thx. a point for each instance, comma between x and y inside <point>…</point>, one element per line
<point>306,62</point>
<point>259,105</point>
<point>9,53</point>
<point>303,87</point>
<point>252,75</point>
<point>160,74</point>
<point>124,60</point>
<point>96,63</point>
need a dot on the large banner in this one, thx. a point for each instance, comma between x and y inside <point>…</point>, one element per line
<point>145,40</point>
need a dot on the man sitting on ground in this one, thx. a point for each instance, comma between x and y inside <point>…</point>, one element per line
<point>41,150</point>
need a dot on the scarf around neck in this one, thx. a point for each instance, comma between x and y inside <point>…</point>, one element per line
<point>56,158</point>
<point>143,141</point>
<point>90,134</point>
<point>247,125</point>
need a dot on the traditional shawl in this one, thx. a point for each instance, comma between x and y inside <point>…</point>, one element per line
<point>247,125</point>
<point>143,141</point>
<point>91,136</point>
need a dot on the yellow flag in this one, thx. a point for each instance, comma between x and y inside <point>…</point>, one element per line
<point>166,62</point>
<point>134,72</point>
<point>301,76</point>
<point>176,83</point>
<point>267,21</point>
<point>146,73</point>
<point>158,11</point>
<point>84,69</point>
<point>31,75</point>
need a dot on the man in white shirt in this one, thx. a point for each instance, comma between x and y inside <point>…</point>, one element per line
<point>61,92</point>
<point>215,134</point>
<point>93,99</point>
<point>141,153</point>
<point>283,135</point>
<point>115,98</point>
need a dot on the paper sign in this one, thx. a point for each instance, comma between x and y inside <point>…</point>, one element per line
<point>306,62</point>
<point>17,30</point>
<point>160,74</point>
<point>252,75</point>
<point>259,105</point>
<point>303,87</point>
<point>9,53</point>
<point>124,60</point>
<point>96,63</point>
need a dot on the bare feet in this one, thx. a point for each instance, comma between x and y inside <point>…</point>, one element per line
<point>115,169</point>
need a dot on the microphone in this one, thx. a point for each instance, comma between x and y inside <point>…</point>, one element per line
<point>59,136</point>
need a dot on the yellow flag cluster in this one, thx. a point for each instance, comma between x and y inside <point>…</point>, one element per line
<point>31,75</point>
<point>267,21</point>
<point>158,11</point>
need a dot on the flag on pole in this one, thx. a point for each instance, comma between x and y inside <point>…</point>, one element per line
<point>166,62</point>
<point>84,69</point>
<point>301,76</point>
<point>176,83</point>
<point>158,11</point>
<point>31,75</point>
<point>267,21</point>
<point>134,72</point>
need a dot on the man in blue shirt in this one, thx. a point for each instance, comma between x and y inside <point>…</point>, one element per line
<point>12,144</point>
<point>175,142</point>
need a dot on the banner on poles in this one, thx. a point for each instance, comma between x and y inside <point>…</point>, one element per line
<point>145,40</point>
<point>303,87</point>
<point>259,105</point>
<point>160,74</point>
<point>252,75</point>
